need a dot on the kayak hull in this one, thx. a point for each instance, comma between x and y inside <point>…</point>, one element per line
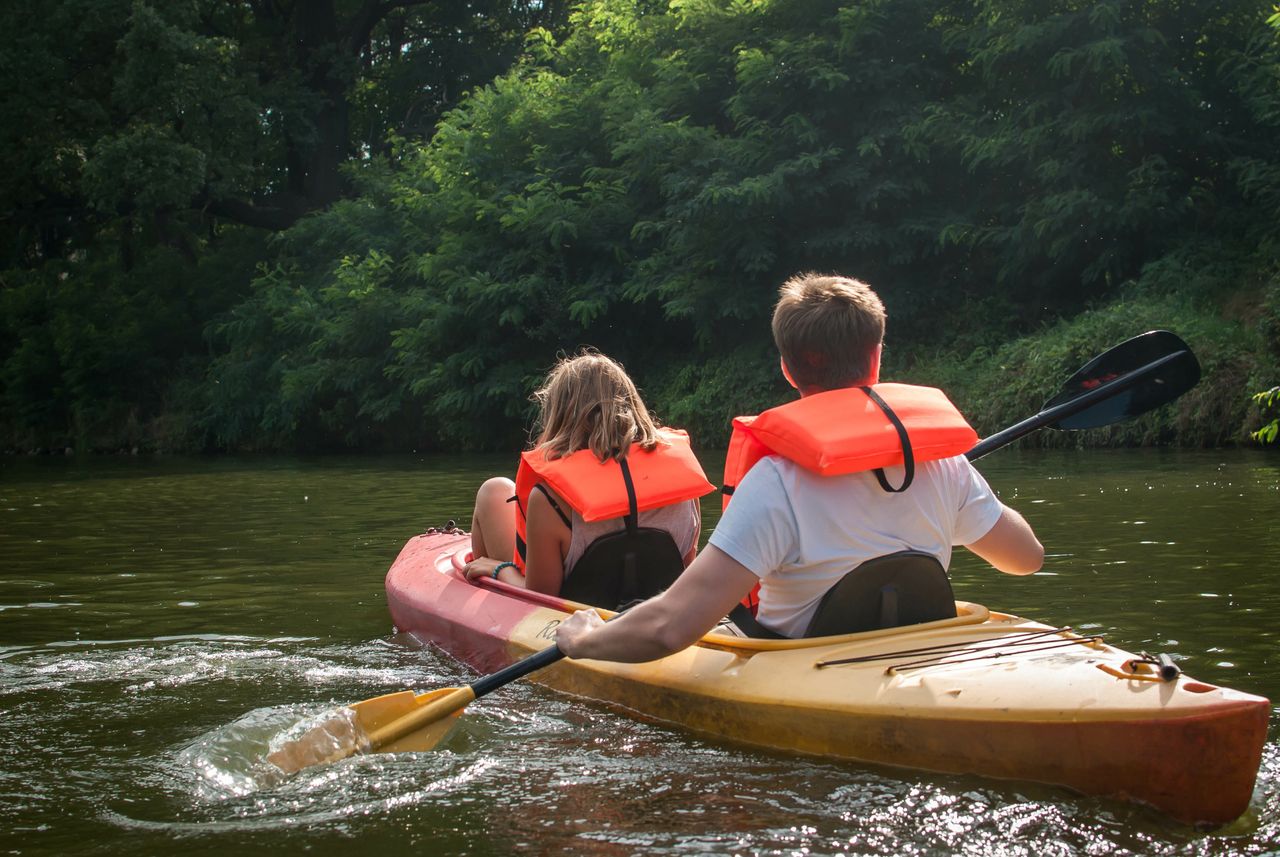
<point>986,693</point>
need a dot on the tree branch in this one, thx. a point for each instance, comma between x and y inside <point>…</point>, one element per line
<point>360,27</point>
<point>276,215</point>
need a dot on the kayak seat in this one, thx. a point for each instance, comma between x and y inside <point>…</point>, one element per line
<point>746,622</point>
<point>620,568</point>
<point>903,588</point>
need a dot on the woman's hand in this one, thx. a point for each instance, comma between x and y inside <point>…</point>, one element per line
<point>480,567</point>
<point>505,571</point>
<point>572,631</point>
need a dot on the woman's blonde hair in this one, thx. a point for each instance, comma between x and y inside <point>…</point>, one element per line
<point>589,402</point>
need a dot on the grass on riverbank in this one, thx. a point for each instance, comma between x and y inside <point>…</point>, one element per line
<point>1235,333</point>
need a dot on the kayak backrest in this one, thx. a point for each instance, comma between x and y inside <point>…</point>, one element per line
<point>620,568</point>
<point>903,588</point>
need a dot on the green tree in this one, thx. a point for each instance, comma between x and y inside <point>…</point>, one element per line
<point>640,180</point>
<point>143,145</point>
<point>1095,136</point>
<point>645,184</point>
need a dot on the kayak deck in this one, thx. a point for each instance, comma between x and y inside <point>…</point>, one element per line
<point>984,693</point>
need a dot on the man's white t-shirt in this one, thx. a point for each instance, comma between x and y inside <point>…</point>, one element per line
<point>800,532</point>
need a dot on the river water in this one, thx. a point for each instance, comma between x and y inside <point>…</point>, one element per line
<point>162,618</point>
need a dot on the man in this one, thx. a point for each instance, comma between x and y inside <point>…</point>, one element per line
<point>803,517</point>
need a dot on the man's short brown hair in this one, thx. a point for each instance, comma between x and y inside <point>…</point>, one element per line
<point>827,328</point>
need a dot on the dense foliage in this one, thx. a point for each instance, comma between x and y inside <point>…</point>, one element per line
<point>238,227</point>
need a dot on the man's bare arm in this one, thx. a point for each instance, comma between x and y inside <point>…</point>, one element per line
<point>1010,545</point>
<point>706,591</point>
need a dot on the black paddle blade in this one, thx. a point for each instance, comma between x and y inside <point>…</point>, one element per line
<point>1177,372</point>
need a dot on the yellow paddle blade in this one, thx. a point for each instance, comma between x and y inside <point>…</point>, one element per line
<point>396,722</point>
<point>406,723</point>
<point>332,736</point>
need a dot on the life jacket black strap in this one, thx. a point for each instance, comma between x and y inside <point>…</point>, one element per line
<point>632,518</point>
<point>908,458</point>
<point>522,550</point>
<point>727,490</point>
<point>542,489</point>
<point>630,564</point>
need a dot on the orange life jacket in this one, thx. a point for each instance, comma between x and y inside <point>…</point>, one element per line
<point>599,491</point>
<point>851,430</point>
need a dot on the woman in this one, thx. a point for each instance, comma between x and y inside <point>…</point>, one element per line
<point>601,479</point>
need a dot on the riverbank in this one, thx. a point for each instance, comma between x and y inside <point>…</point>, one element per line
<point>1228,313</point>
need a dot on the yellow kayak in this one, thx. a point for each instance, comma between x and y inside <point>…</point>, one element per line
<point>984,693</point>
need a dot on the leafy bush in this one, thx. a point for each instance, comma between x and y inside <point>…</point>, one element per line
<point>1267,401</point>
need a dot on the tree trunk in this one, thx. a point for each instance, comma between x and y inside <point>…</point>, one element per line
<point>320,51</point>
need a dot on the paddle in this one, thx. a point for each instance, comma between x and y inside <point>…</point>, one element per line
<point>1132,378</point>
<point>396,722</point>
<point>1136,376</point>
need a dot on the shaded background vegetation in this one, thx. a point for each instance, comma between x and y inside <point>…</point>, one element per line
<point>326,223</point>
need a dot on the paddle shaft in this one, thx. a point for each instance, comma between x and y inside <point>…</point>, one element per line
<point>1066,409</point>
<point>518,670</point>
